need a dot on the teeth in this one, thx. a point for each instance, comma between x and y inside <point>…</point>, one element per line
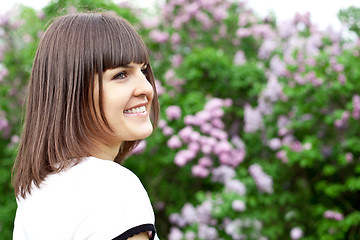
<point>136,110</point>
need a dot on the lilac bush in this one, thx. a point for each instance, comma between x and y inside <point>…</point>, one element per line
<point>267,133</point>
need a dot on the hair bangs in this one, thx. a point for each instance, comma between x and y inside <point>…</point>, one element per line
<point>121,44</point>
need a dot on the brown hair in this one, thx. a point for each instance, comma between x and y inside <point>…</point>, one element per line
<point>60,102</point>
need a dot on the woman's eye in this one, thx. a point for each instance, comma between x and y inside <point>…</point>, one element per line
<point>144,70</point>
<point>121,75</point>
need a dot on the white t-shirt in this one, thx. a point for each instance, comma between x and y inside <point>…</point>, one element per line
<point>94,200</point>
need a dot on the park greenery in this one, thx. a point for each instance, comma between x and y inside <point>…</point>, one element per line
<point>259,129</point>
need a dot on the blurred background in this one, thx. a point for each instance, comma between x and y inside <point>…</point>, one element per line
<point>259,131</point>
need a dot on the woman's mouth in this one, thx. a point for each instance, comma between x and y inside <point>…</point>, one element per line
<point>135,110</point>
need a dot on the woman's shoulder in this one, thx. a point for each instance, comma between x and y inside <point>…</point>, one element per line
<point>91,177</point>
<point>104,169</point>
<point>102,197</point>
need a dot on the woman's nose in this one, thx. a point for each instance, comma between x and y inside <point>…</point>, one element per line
<point>143,86</point>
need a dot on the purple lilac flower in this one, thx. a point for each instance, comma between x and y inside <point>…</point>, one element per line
<point>238,142</point>
<point>235,186</point>
<point>219,14</point>
<point>205,20</point>
<point>192,120</point>
<point>206,232</point>
<point>200,171</point>
<point>217,113</point>
<point>176,60</point>
<point>158,36</point>
<point>15,139</point>
<point>206,149</point>
<point>233,229</point>
<point>349,157</point>
<point>194,146</point>
<point>168,131</point>
<point>174,142</point>
<point>343,120</point>
<point>214,103</point>
<point>185,134</point>
<point>278,66</point>
<point>192,9</point>
<point>218,133</point>
<point>3,73</point>
<point>203,116</point>
<point>72,10</point>
<point>167,10</point>
<point>244,32</point>
<point>238,157</point>
<point>238,205</point>
<point>175,234</point>
<point>267,47</point>
<point>4,127</point>
<point>177,219</point>
<point>282,155</point>
<point>206,140</point>
<point>288,140</point>
<point>189,213</point>
<point>253,119</point>
<point>296,233</point>
<point>313,43</point>
<point>356,106</point>
<point>206,128</point>
<point>175,39</point>
<point>190,235</point>
<point>170,74</point>
<point>262,180</point>
<point>274,90</point>
<point>335,49</point>
<point>342,78</point>
<point>162,124</point>
<point>173,112</point>
<point>296,146</point>
<point>222,147</point>
<point>338,67</point>
<point>150,23</point>
<point>283,121</point>
<point>304,18</point>
<point>225,158</point>
<point>264,31</point>
<point>222,174</point>
<point>205,161</point>
<point>178,2</point>
<point>180,19</point>
<point>27,38</point>
<point>239,58</point>
<point>195,136</point>
<point>286,29</point>
<point>333,215</point>
<point>140,148</point>
<point>160,90</point>
<point>274,143</point>
<point>184,156</point>
<point>222,30</point>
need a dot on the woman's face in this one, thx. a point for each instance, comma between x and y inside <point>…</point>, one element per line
<point>127,97</point>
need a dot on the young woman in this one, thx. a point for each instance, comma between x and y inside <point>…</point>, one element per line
<point>91,98</point>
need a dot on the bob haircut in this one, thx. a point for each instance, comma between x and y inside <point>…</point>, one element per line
<point>61,121</point>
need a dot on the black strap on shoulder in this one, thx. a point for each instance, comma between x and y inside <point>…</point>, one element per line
<point>137,230</point>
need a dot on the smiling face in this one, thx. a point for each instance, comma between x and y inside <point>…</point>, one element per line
<point>126,99</point>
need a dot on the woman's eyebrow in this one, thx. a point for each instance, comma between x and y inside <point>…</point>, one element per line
<point>127,66</point>
<point>130,66</point>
